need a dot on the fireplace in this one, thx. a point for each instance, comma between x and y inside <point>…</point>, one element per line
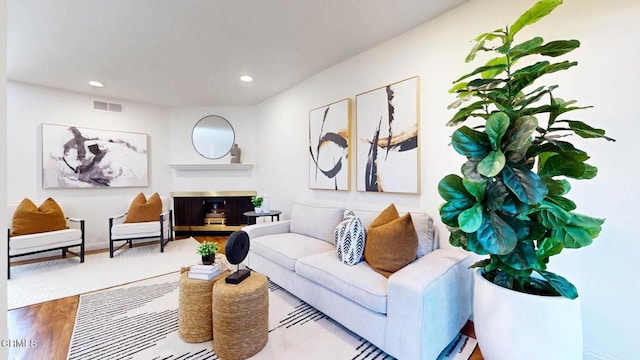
<point>210,212</point>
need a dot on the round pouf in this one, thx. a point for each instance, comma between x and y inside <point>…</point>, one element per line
<point>194,324</point>
<point>240,317</point>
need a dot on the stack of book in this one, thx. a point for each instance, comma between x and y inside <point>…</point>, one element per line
<point>205,272</point>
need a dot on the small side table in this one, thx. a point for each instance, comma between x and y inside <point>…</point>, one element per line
<point>194,314</point>
<point>240,317</point>
<point>252,215</point>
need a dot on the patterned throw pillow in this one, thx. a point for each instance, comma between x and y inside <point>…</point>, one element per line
<point>350,237</point>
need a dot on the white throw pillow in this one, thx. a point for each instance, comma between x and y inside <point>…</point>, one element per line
<point>350,236</point>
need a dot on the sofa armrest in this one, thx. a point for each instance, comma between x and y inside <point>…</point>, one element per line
<point>263,229</point>
<point>428,302</point>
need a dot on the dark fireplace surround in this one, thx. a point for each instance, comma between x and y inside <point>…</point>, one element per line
<point>210,212</point>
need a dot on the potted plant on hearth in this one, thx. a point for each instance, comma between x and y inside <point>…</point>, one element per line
<point>257,203</point>
<point>208,252</point>
<point>510,203</point>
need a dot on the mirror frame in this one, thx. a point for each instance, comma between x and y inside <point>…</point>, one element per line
<point>205,124</point>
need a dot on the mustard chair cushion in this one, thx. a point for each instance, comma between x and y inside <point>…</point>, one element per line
<point>31,219</point>
<point>143,209</point>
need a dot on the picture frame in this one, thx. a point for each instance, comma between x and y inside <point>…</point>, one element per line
<point>77,157</point>
<point>330,146</point>
<point>387,131</point>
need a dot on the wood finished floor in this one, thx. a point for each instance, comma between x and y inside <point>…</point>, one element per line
<point>50,323</point>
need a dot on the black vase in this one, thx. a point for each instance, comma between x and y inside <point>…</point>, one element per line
<point>208,259</point>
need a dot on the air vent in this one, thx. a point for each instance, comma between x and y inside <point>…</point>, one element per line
<point>106,106</point>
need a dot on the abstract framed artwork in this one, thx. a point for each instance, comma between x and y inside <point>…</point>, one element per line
<point>387,150</point>
<point>74,157</point>
<point>329,148</point>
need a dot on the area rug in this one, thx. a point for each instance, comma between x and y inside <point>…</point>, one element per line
<point>140,321</point>
<point>49,280</point>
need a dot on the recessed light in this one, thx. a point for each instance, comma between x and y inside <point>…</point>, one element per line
<point>246,78</point>
<point>96,83</point>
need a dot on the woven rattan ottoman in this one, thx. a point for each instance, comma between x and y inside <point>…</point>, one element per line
<point>240,317</point>
<point>194,324</point>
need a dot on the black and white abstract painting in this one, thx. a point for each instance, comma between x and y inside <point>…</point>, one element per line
<point>329,132</point>
<point>387,158</point>
<point>75,157</point>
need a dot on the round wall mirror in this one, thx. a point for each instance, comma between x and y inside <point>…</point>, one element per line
<point>213,137</point>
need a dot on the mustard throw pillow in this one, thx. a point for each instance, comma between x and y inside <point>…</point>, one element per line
<point>143,210</point>
<point>391,243</point>
<point>29,219</point>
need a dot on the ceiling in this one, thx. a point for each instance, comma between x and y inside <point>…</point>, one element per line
<point>192,52</point>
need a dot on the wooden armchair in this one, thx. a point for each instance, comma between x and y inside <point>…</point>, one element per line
<point>23,240</point>
<point>128,226</point>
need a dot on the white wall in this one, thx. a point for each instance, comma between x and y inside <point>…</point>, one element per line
<point>3,169</point>
<point>606,78</point>
<point>30,106</point>
<point>243,121</point>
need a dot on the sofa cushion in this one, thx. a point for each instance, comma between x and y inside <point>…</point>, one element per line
<point>350,237</point>
<point>31,219</point>
<point>315,221</point>
<point>285,249</point>
<point>421,221</point>
<point>357,283</point>
<point>143,209</point>
<point>392,242</point>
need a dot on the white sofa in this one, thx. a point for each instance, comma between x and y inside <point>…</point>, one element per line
<point>413,314</point>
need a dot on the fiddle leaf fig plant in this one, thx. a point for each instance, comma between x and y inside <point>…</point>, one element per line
<point>510,201</point>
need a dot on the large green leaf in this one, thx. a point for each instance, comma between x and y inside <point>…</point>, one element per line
<point>480,41</point>
<point>522,257</point>
<point>547,248</point>
<point>470,143</point>
<point>557,48</point>
<point>520,137</point>
<point>558,147</point>
<point>484,84</point>
<point>524,48</point>
<point>567,165</point>
<point>450,211</point>
<point>552,215</point>
<point>557,187</point>
<point>492,164</point>
<point>467,111</point>
<point>474,245</point>
<point>574,237</point>
<point>471,219</point>
<point>526,76</point>
<point>496,194</point>
<point>497,125</point>
<point>475,188</point>
<point>536,12</point>
<point>563,202</point>
<point>526,185</point>
<point>585,131</point>
<point>470,170</point>
<point>496,67</point>
<point>495,235</point>
<point>560,284</point>
<point>451,187</point>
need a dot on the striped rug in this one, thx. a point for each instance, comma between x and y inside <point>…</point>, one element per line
<point>140,321</point>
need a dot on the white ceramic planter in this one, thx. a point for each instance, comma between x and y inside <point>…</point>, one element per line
<point>512,325</point>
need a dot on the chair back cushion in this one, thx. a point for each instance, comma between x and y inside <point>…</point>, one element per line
<point>143,209</point>
<point>31,219</point>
